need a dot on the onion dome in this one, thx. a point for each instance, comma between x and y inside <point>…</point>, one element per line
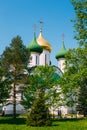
<point>34,46</point>
<point>62,52</point>
<point>42,42</point>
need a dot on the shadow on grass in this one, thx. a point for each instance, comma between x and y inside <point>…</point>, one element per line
<point>19,121</point>
<point>10,120</point>
<point>22,121</point>
<point>56,122</point>
<point>68,119</point>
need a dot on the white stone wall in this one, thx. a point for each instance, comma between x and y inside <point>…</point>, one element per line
<point>45,57</point>
<point>8,109</point>
<point>34,59</point>
<point>61,64</point>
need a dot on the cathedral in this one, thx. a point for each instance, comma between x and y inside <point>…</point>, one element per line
<point>40,50</point>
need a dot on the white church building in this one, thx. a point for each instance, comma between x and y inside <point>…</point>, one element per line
<point>40,50</point>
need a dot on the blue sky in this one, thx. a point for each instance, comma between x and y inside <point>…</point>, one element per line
<point>17,17</point>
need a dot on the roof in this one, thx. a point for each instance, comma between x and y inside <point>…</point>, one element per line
<point>55,76</point>
<point>34,46</point>
<point>62,52</point>
<point>42,42</point>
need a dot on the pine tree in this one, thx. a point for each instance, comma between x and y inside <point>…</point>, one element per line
<point>4,87</point>
<point>42,78</point>
<point>39,114</point>
<point>14,61</point>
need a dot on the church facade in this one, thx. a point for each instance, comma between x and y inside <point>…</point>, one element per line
<point>40,55</point>
<point>40,51</point>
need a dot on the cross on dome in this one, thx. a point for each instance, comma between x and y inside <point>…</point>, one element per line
<point>34,27</point>
<point>41,22</point>
<point>63,37</point>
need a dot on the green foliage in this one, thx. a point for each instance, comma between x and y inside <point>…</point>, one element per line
<point>75,78</point>
<point>42,78</point>
<point>4,87</point>
<point>15,56</point>
<point>28,97</point>
<point>82,99</point>
<point>45,77</point>
<point>80,23</point>
<point>13,63</point>
<point>39,114</point>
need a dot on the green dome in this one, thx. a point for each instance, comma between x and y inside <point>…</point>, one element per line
<point>34,46</point>
<point>62,52</point>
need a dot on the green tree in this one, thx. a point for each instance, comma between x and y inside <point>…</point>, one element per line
<point>4,87</point>
<point>74,80</point>
<point>28,96</point>
<point>42,78</point>
<point>82,99</point>
<point>39,114</point>
<point>80,23</point>
<point>14,61</point>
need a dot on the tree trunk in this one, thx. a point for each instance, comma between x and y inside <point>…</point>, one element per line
<point>14,101</point>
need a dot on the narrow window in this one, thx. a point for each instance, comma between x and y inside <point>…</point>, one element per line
<point>30,60</point>
<point>45,59</point>
<point>36,60</point>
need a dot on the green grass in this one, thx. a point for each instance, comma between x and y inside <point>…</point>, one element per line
<point>7,123</point>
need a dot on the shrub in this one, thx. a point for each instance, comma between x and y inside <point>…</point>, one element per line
<point>39,114</point>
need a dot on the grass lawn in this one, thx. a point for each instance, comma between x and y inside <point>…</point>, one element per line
<point>7,123</point>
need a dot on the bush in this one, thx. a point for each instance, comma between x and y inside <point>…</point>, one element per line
<point>39,114</point>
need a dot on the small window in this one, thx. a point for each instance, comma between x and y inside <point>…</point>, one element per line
<point>30,60</point>
<point>45,59</point>
<point>36,60</point>
<point>30,57</point>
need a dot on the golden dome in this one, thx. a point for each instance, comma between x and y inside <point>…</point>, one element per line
<point>42,42</point>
